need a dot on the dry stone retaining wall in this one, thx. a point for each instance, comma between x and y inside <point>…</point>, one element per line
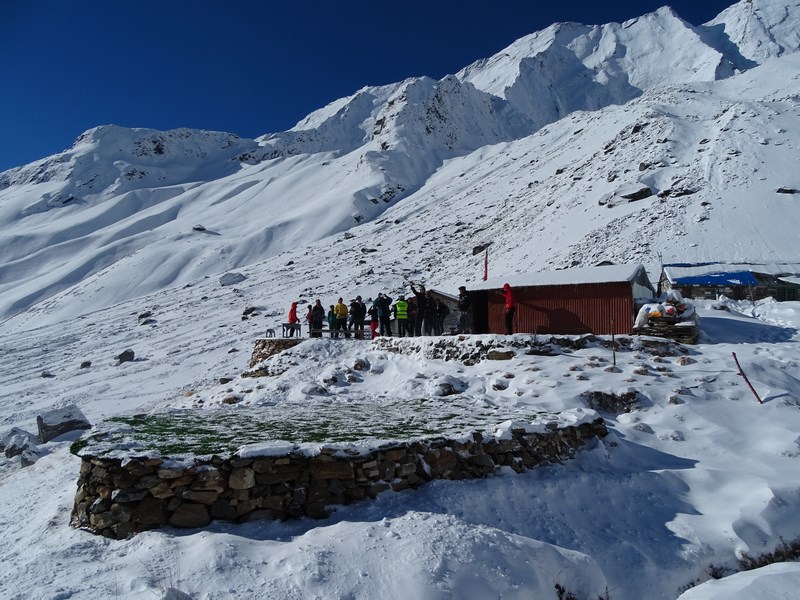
<point>118,498</point>
<point>266,347</point>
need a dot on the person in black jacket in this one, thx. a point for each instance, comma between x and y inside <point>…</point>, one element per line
<point>358,311</point>
<point>465,311</point>
<point>421,303</point>
<point>431,314</point>
<point>384,304</point>
<point>317,318</point>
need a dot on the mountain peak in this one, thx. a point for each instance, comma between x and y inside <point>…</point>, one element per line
<point>758,29</point>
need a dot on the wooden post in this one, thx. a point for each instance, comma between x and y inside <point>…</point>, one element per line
<point>752,389</point>
<point>613,345</point>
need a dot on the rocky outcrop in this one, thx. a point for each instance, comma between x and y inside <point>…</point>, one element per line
<point>266,347</point>
<point>118,498</point>
<point>56,422</point>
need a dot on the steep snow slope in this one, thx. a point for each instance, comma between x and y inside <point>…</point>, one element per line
<point>698,474</point>
<point>710,155</point>
<point>758,29</point>
<point>99,215</point>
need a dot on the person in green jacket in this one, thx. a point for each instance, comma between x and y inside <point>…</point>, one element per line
<point>401,316</point>
<point>332,321</point>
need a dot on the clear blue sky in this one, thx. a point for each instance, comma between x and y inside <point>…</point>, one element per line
<point>245,66</point>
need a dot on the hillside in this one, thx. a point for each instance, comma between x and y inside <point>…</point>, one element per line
<point>563,120</point>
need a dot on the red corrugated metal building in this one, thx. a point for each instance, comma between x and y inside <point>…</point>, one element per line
<point>600,300</point>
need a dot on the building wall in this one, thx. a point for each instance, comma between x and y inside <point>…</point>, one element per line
<point>567,309</point>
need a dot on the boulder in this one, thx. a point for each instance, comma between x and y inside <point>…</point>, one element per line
<point>190,515</point>
<point>500,354</point>
<point>16,441</point>
<point>637,194</point>
<point>150,513</point>
<point>126,356</point>
<point>242,479</point>
<point>31,455</point>
<point>60,421</point>
<point>231,279</point>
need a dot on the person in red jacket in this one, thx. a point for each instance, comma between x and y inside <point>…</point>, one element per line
<point>292,318</point>
<point>511,308</point>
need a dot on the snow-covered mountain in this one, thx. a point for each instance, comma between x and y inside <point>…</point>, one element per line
<point>570,118</point>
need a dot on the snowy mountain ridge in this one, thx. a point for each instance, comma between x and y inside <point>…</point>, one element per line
<point>121,198</point>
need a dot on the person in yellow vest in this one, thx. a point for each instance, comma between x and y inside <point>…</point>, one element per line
<point>340,311</point>
<point>400,309</point>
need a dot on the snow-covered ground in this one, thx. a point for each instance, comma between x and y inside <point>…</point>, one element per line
<point>697,475</point>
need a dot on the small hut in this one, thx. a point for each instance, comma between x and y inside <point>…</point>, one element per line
<point>600,300</point>
<point>738,281</point>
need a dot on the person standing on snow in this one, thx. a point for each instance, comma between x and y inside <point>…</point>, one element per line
<point>332,321</point>
<point>340,310</point>
<point>401,316</point>
<point>511,308</point>
<point>317,318</point>
<point>412,315</point>
<point>384,304</point>
<point>292,318</point>
<point>464,309</point>
<point>358,311</point>
<point>373,320</point>
<point>310,319</point>
<point>431,314</point>
<point>421,302</point>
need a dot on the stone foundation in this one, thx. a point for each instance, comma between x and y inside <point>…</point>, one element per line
<point>266,347</point>
<point>118,498</point>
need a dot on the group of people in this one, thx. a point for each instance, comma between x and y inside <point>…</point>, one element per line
<point>422,314</point>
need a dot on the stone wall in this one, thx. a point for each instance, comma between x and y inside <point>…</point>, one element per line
<point>118,498</point>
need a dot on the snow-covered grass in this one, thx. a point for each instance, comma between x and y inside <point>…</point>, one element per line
<point>189,432</point>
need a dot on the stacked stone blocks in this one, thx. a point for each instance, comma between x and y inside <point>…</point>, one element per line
<point>118,498</point>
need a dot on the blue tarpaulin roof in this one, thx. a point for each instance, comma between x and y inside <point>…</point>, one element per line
<point>738,278</point>
<point>725,274</point>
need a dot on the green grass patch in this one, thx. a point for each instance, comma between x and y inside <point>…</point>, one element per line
<point>193,432</point>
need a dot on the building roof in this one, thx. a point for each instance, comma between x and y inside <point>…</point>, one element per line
<point>448,296</point>
<point>578,276</point>
<point>726,273</point>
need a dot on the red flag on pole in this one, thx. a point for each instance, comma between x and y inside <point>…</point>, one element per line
<point>486,265</point>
